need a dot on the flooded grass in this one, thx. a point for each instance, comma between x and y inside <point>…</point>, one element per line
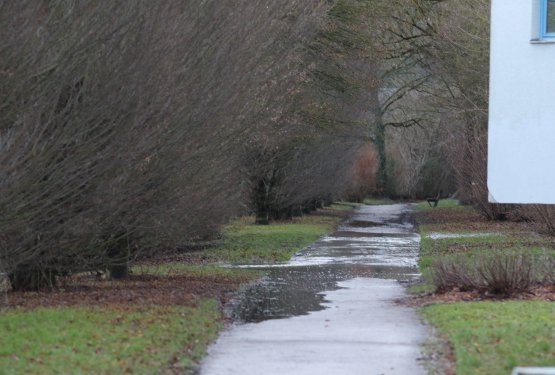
<point>378,201</point>
<point>201,271</point>
<point>159,321</point>
<point>364,224</point>
<point>488,337</point>
<point>460,235</point>
<point>354,279</point>
<point>343,206</point>
<point>278,242</point>
<point>443,203</point>
<point>295,287</point>
<point>469,245</point>
<point>296,290</point>
<point>449,232</point>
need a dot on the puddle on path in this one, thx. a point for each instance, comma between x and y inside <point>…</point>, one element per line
<point>386,248</point>
<point>444,235</point>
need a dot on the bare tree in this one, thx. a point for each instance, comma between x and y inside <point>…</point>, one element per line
<point>122,126</point>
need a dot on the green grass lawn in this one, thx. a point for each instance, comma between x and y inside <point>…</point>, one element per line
<point>209,271</point>
<point>146,339</point>
<point>443,203</point>
<point>378,201</point>
<point>343,206</point>
<point>141,340</point>
<point>490,338</point>
<point>487,337</point>
<point>464,249</point>
<point>478,238</point>
<point>250,244</point>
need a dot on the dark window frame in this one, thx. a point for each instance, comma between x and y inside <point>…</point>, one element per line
<point>544,33</point>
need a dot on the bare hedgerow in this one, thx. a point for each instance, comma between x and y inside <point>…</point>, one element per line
<point>497,273</point>
<point>543,216</point>
<point>508,273</point>
<point>127,129</point>
<point>122,124</point>
<point>549,270</point>
<point>297,177</point>
<point>92,137</point>
<point>449,274</point>
<point>308,160</point>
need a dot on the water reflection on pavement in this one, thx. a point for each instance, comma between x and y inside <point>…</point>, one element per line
<point>330,309</point>
<point>376,242</point>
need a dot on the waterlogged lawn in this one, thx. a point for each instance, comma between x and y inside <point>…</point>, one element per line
<point>450,233</point>
<point>491,338</point>
<point>207,272</point>
<point>343,206</point>
<point>249,243</point>
<point>465,248</point>
<point>118,339</point>
<point>142,340</point>
<point>378,201</point>
<point>467,241</point>
<point>496,336</point>
<point>443,203</point>
<point>432,248</point>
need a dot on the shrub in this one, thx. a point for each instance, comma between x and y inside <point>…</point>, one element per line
<point>497,273</point>
<point>363,180</point>
<point>449,274</point>
<point>121,123</point>
<point>507,273</point>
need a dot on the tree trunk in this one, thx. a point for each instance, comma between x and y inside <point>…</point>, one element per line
<point>118,257</point>
<point>262,202</point>
<point>25,279</point>
<point>119,271</point>
<point>379,142</point>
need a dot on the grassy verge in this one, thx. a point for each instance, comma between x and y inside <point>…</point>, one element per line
<point>203,272</point>
<point>443,203</point>
<point>81,340</point>
<point>430,220</point>
<point>247,243</point>
<point>342,206</point>
<point>491,338</point>
<point>160,321</point>
<point>487,337</point>
<point>378,201</point>
<point>472,249</point>
<point>459,234</point>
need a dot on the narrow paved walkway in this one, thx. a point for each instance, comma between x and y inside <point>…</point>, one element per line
<point>330,310</point>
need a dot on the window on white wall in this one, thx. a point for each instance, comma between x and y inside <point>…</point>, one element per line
<point>547,19</point>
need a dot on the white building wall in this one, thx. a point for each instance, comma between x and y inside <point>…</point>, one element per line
<point>521,165</point>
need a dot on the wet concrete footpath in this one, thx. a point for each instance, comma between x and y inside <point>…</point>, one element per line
<point>331,309</point>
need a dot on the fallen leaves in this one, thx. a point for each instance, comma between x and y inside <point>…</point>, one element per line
<point>167,290</point>
<point>543,293</point>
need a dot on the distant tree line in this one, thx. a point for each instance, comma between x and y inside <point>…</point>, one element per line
<point>132,128</point>
<point>437,53</point>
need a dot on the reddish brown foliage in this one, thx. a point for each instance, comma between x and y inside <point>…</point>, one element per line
<point>363,173</point>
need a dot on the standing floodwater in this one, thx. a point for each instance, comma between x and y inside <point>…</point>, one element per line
<point>377,242</point>
<point>334,305</point>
